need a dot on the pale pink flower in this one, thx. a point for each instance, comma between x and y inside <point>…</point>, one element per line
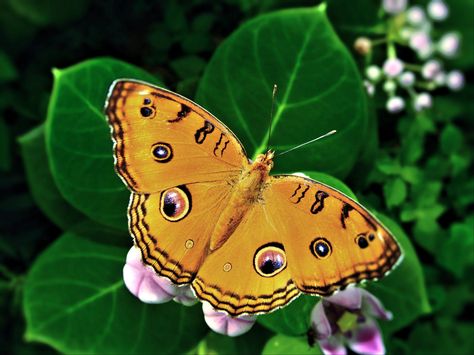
<point>224,324</point>
<point>363,336</point>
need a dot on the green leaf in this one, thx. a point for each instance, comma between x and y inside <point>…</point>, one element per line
<point>251,342</point>
<point>441,338</point>
<point>451,139</point>
<point>319,89</point>
<point>403,291</point>
<point>395,192</point>
<point>78,139</point>
<point>284,344</point>
<point>457,248</point>
<point>76,302</point>
<point>50,12</point>
<point>8,71</point>
<point>293,319</point>
<point>41,183</point>
<point>189,66</point>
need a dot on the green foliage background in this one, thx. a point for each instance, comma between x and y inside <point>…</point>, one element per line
<point>63,233</point>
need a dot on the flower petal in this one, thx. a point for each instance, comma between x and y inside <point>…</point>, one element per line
<point>185,296</point>
<point>223,324</point>
<point>143,282</point>
<point>371,305</point>
<point>332,346</point>
<point>350,298</point>
<point>367,339</point>
<point>320,321</point>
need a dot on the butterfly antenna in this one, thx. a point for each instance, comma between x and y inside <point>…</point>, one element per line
<point>308,142</point>
<point>275,89</point>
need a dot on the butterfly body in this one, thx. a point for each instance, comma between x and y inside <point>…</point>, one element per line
<point>246,192</point>
<point>203,215</point>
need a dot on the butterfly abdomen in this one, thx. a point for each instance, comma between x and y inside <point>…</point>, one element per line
<point>246,192</point>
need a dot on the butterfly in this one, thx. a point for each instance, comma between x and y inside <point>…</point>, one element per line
<point>204,215</point>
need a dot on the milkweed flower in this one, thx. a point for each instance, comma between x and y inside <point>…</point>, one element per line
<point>143,282</point>
<point>347,318</point>
<point>224,324</point>
<point>393,67</point>
<point>395,104</point>
<point>438,10</point>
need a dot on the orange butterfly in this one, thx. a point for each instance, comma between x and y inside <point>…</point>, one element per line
<point>203,214</point>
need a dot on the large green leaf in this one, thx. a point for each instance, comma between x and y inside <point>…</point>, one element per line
<point>403,291</point>
<point>284,344</point>
<point>319,90</point>
<point>78,139</point>
<point>76,302</point>
<point>41,183</point>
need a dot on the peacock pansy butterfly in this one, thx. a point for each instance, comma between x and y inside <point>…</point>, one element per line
<point>203,214</point>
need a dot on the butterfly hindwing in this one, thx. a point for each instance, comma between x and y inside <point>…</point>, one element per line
<point>172,228</point>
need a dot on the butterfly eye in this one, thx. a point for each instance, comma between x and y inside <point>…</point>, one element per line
<point>270,259</point>
<point>321,248</point>
<point>162,152</point>
<point>175,203</point>
<point>362,242</point>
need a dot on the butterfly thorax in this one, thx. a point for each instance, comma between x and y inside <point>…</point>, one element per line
<point>246,192</point>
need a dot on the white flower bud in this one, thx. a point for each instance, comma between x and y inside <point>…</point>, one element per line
<point>394,7</point>
<point>438,10</point>
<point>415,15</point>
<point>449,44</point>
<point>455,80</point>
<point>407,79</point>
<point>363,45</point>
<point>393,67</point>
<point>369,87</point>
<point>373,73</point>
<point>431,69</point>
<point>389,86</point>
<point>420,41</point>
<point>395,104</point>
<point>422,101</point>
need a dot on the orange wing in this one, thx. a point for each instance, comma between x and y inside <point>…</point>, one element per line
<point>331,241</point>
<point>172,228</point>
<point>316,241</point>
<point>231,278</point>
<point>164,140</point>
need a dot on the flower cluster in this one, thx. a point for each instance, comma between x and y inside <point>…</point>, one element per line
<point>412,27</point>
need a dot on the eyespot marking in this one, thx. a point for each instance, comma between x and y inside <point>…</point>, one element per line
<point>361,241</point>
<point>189,244</point>
<point>162,152</point>
<point>175,203</point>
<point>270,259</point>
<point>320,248</point>
<point>147,112</point>
<point>227,267</point>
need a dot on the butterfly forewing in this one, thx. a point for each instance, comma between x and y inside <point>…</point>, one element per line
<point>331,240</point>
<point>164,140</point>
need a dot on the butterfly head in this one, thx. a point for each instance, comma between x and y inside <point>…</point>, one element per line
<point>264,162</point>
